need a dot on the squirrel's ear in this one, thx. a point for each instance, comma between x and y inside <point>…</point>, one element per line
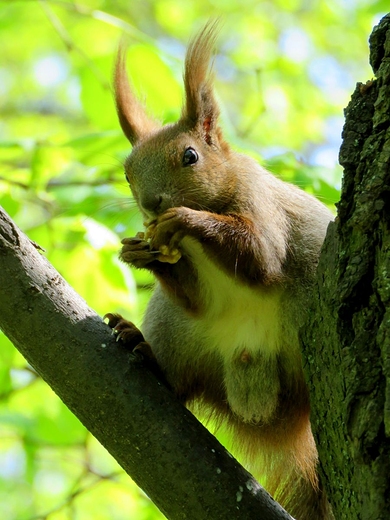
<point>200,109</point>
<point>133,119</point>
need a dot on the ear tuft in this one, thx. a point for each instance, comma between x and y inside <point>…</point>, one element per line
<point>207,122</point>
<point>200,107</point>
<point>133,119</point>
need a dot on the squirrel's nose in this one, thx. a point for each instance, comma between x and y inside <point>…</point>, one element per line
<point>151,203</point>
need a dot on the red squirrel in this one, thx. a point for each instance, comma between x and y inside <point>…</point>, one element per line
<point>234,252</point>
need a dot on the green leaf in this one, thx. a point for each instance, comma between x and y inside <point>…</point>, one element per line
<point>96,93</point>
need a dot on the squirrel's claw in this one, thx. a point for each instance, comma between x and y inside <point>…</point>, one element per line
<point>128,334</point>
<point>137,252</point>
<point>124,330</point>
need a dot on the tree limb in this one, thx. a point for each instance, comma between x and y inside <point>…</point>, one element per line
<point>167,452</point>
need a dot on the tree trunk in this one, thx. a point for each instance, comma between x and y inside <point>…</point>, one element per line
<point>347,344</point>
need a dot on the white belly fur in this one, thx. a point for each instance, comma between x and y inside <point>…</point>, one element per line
<point>237,317</point>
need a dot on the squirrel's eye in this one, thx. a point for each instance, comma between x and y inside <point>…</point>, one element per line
<point>190,157</point>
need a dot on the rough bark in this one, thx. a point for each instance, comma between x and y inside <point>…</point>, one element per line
<point>347,345</point>
<point>167,452</point>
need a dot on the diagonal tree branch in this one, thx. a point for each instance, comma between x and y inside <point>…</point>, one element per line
<point>167,452</point>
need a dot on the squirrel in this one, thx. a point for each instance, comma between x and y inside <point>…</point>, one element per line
<point>234,251</point>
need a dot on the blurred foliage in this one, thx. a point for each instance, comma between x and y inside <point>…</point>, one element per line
<point>284,71</point>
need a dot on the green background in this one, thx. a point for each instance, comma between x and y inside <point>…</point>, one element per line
<point>285,69</point>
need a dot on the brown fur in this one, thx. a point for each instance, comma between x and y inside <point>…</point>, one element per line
<point>234,251</point>
<point>132,117</point>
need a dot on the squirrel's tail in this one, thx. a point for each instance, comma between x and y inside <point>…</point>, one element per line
<point>285,461</point>
<point>300,499</point>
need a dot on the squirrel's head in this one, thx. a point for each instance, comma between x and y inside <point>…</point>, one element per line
<point>182,164</point>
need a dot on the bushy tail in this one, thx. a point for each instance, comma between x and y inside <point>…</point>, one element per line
<point>285,461</point>
<point>300,499</point>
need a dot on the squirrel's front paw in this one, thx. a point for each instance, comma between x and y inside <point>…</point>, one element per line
<point>166,233</point>
<point>137,251</point>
